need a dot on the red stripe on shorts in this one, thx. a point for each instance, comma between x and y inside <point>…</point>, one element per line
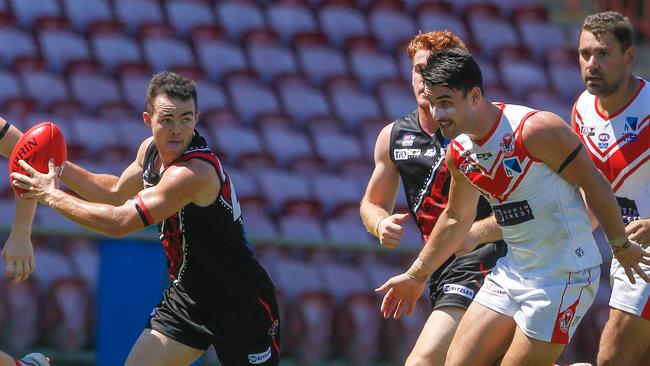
<point>559,336</point>
<point>268,310</point>
<point>646,310</point>
<point>565,318</point>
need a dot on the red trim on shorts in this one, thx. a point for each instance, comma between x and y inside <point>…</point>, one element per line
<point>559,335</point>
<point>144,208</point>
<point>483,270</point>
<point>268,310</point>
<point>18,363</point>
<point>646,310</point>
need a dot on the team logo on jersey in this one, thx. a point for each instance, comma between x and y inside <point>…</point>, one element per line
<point>408,139</point>
<point>631,124</point>
<point>469,167</point>
<point>587,130</point>
<point>484,156</point>
<point>629,132</point>
<point>603,138</point>
<point>565,320</point>
<point>512,167</point>
<point>579,252</point>
<point>507,144</point>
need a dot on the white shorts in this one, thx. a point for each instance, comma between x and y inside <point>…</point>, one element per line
<point>548,309</point>
<point>627,297</point>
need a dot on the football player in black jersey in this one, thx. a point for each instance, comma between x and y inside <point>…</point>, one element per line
<point>411,148</point>
<point>219,294</point>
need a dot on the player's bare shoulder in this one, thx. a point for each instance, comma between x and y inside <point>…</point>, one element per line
<point>198,174</point>
<point>382,146</point>
<point>142,150</point>
<point>544,127</point>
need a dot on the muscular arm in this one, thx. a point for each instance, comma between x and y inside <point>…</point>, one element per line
<point>377,204</point>
<point>574,127</point>
<point>403,291</point>
<point>547,137</point>
<point>379,199</point>
<point>156,203</point>
<point>106,188</point>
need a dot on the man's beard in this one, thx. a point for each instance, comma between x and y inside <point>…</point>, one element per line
<point>604,89</point>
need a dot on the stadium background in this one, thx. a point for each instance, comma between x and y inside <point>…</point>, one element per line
<point>292,95</point>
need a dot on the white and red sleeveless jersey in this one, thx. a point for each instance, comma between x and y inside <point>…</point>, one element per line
<point>619,145</point>
<point>542,216</point>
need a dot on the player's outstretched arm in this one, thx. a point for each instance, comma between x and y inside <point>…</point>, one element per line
<point>18,252</point>
<point>403,291</point>
<point>106,188</point>
<point>379,199</point>
<point>549,138</point>
<point>148,207</point>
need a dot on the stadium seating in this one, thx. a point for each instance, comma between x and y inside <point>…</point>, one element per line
<point>292,94</point>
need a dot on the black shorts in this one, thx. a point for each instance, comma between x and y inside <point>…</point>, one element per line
<point>458,280</point>
<point>242,334</point>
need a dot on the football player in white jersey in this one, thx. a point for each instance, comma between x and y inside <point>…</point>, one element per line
<point>613,119</point>
<point>537,294</point>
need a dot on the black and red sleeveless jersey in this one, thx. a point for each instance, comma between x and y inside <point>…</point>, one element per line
<point>206,247</point>
<point>420,160</point>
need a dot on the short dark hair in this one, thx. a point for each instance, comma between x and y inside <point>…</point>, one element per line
<point>173,85</point>
<point>454,68</point>
<point>611,21</point>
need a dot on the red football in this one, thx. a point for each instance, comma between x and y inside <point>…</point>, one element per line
<point>37,146</point>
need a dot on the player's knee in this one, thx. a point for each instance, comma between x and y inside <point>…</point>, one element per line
<point>427,356</point>
<point>416,359</point>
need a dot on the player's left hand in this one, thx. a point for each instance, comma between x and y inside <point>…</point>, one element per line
<point>38,185</point>
<point>18,255</point>
<point>630,257</point>
<point>402,292</point>
<point>639,231</point>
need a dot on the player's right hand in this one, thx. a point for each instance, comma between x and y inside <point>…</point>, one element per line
<point>630,257</point>
<point>401,294</point>
<point>390,230</point>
